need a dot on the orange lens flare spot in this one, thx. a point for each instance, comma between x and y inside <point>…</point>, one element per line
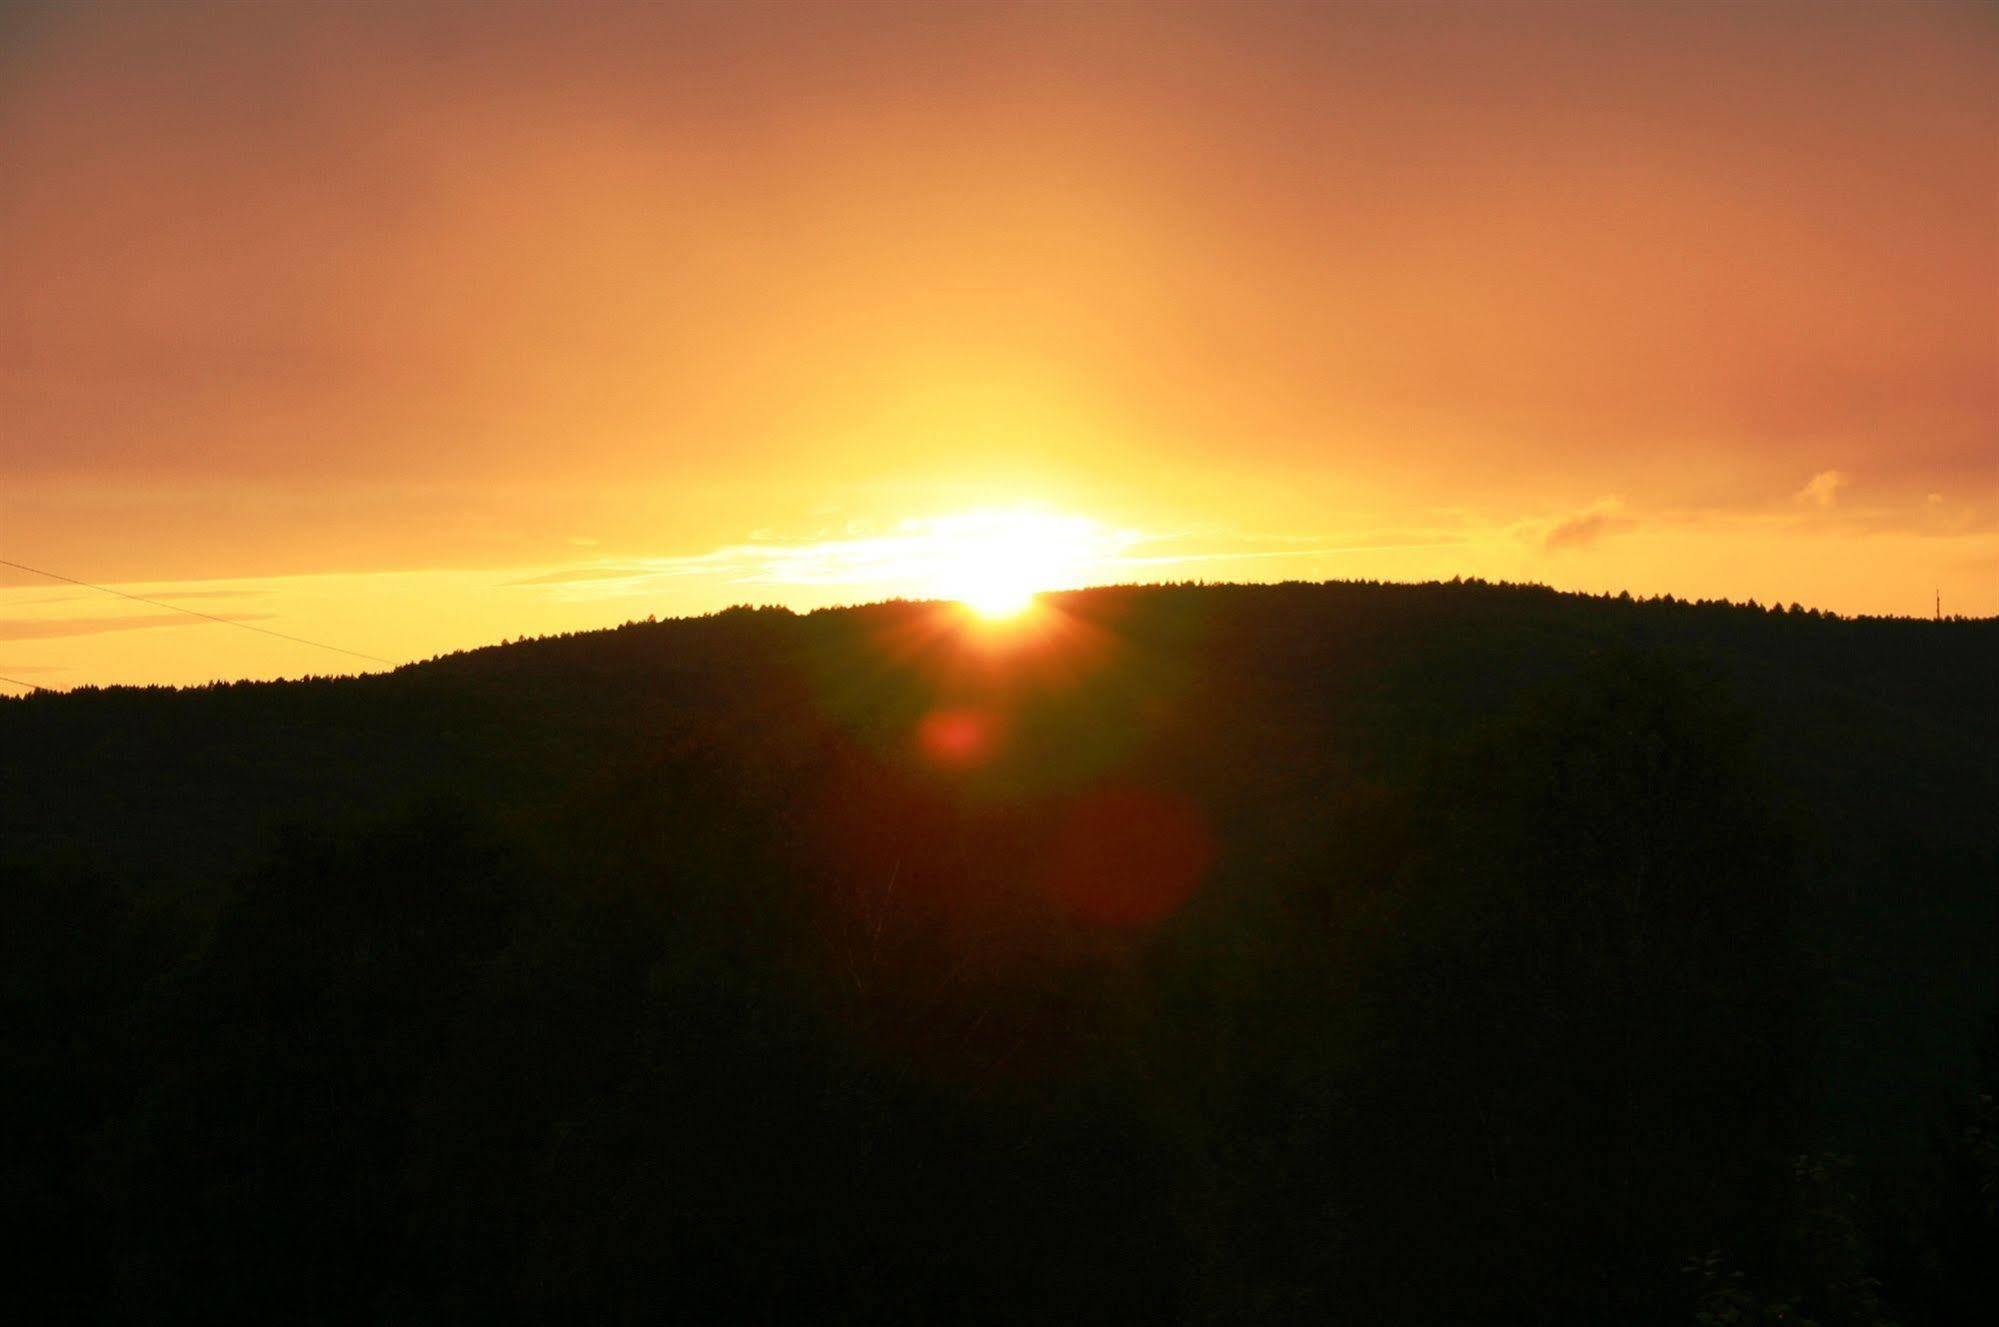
<point>957,737</point>
<point>1130,857</point>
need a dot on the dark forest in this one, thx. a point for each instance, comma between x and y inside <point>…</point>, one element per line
<point>1200,954</point>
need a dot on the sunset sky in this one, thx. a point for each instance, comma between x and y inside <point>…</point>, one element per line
<point>411,327</point>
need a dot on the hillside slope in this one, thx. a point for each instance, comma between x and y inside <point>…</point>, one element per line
<point>1254,953</point>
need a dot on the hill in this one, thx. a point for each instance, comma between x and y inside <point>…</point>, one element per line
<point>1414,954</point>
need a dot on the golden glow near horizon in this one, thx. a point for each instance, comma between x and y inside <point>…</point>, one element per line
<point>412,327</point>
<point>996,562</point>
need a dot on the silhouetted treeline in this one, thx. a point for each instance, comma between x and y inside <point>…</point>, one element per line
<point>1420,954</point>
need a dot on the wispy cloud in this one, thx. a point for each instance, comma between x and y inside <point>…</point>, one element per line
<point>906,558</point>
<point>46,628</point>
<point>572,575</point>
<point>1822,489</point>
<point>18,597</point>
<point>901,559</point>
<point>1586,528</point>
<point>1290,546</point>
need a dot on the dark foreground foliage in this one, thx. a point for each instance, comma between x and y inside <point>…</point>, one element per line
<point>1431,954</point>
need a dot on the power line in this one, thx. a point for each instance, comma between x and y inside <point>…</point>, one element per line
<point>32,686</point>
<point>192,612</point>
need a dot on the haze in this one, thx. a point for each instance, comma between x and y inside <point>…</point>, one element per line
<point>409,327</point>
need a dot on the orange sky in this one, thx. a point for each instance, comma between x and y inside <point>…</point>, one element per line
<point>414,326</point>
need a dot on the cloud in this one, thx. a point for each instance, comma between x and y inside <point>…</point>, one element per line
<point>1586,528</point>
<point>570,575</point>
<point>33,599</point>
<point>1290,546</point>
<point>1822,489</point>
<point>92,626</point>
<point>905,558</point>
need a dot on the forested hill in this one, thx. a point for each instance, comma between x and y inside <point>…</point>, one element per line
<point>1241,953</point>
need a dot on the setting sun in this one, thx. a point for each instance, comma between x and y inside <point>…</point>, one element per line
<point>1000,598</point>
<point>995,562</point>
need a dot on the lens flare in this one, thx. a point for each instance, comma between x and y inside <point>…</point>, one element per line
<point>1129,857</point>
<point>959,737</point>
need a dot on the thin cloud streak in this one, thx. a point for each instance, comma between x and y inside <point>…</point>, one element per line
<point>897,561</point>
<point>92,626</point>
<point>1309,550</point>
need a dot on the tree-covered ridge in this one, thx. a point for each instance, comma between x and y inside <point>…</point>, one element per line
<point>1253,954</point>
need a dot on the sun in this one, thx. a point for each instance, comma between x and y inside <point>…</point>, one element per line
<point>998,597</point>
<point>995,562</point>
